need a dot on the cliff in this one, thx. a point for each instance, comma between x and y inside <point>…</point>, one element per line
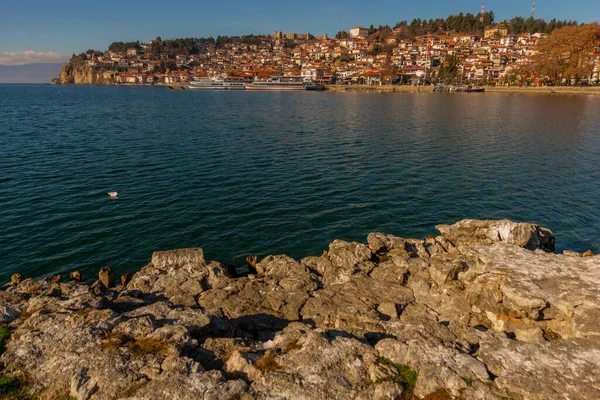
<point>80,73</point>
<point>485,310</point>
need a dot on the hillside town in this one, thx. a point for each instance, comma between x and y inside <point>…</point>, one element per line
<point>359,56</point>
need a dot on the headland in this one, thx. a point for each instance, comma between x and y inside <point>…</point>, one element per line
<point>484,310</point>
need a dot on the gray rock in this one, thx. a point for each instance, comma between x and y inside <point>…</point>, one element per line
<point>82,386</point>
<point>347,255</point>
<point>483,311</point>
<point>8,314</point>
<point>177,258</point>
<point>469,231</point>
<point>107,277</point>
<point>243,365</point>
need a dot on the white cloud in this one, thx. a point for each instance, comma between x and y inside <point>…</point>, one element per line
<point>31,57</point>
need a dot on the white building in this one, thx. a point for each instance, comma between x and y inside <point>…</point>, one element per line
<point>359,31</point>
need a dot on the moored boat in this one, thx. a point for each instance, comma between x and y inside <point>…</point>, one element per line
<point>216,84</point>
<point>283,83</point>
<point>470,89</point>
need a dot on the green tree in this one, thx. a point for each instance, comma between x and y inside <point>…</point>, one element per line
<point>123,46</point>
<point>341,35</point>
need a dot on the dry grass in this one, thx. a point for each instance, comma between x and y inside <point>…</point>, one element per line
<point>551,335</point>
<point>25,315</point>
<point>144,347</point>
<point>291,346</point>
<point>114,340</point>
<point>227,356</point>
<point>136,347</point>
<point>440,394</point>
<point>85,311</point>
<point>267,363</point>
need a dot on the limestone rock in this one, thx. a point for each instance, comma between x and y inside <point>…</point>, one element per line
<point>16,279</point>
<point>82,386</point>
<point>77,276</point>
<point>469,231</point>
<point>483,311</point>
<point>243,365</point>
<point>383,243</point>
<point>107,277</point>
<point>557,369</point>
<point>315,365</point>
<point>252,260</point>
<point>125,279</point>
<point>8,314</point>
<point>177,258</point>
<point>347,255</point>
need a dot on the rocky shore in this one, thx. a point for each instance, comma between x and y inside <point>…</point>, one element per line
<point>485,310</point>
<point>78,73</point>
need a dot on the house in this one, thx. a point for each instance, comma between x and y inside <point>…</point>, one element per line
<point>311,74</point>
<point>371,77</point>
<point>358,31</point>
<point>131,52</point>
<point>497,31</point>
<point>181,59</point>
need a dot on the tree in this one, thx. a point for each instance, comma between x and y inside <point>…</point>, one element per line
<point>568,53</point>
<point>388,74</point>
<point>376,50</point>
<point>123,46</point>
<point>401,23</point>
<point>341,35</point>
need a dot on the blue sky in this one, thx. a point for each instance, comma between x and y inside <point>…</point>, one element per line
<point>51,29</point>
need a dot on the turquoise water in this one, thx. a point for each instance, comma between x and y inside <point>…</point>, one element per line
<point>267,173</point>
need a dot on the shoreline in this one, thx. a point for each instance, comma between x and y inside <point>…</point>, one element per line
<point>586,90</point>
<point>560,90</point>
<point>485,309</point>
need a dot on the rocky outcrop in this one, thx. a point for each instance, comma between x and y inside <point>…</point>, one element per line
<point>486,310</point>
<point>79,73</point>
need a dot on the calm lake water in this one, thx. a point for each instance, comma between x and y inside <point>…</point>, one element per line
<point>268,173</point>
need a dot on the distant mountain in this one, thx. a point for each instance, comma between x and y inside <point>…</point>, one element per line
<point>29,73</point>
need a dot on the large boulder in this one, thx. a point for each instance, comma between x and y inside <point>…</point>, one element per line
<point>470,232</point>
<point>180,275</point>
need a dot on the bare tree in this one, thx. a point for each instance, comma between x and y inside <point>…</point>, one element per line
<point>388,73</point>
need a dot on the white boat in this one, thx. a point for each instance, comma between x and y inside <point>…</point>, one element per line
<point>216,84</point>
<point>113,195</point>
<point>283,83</point>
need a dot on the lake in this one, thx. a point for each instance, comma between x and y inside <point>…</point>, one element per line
<point>240,173</point>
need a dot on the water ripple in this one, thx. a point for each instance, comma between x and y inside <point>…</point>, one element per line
<point>268,173</point>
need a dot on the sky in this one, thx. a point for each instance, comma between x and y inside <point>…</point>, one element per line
<point>33,31</point>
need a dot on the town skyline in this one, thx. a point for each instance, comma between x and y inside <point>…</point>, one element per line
<point>463,47</point>
<point>73,29</point>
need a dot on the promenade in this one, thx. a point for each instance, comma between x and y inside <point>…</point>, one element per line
<point>586,90</point>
